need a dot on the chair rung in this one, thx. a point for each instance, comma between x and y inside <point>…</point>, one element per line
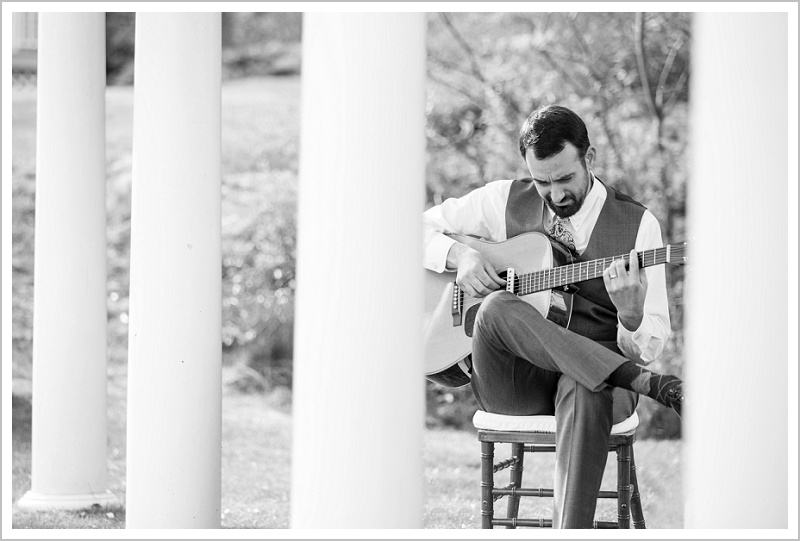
<point>524,522</point>
<point>499,493</point>
<point>540,448</point>
<point>500,466</point>
<point>541,492</point>
<point>546,523</point>
<point>604,525</point>
<point>535,492</point>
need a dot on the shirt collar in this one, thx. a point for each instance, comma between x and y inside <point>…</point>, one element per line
<point>597,195</point>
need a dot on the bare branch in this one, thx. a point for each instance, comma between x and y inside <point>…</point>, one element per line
<point>476,70</point>
<point>665,71</point>
<point>590,65</point>
<point>676,91</point>
<point>564,73</point>
<point>512,107</point>
<point>641,64</point>
<point>449,64</point>
<point>466,93</point>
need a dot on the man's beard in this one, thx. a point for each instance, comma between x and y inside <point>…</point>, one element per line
<point>564,211</point>
<point>575,203</point>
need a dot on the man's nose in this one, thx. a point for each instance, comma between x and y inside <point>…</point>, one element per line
<point>556,194</point>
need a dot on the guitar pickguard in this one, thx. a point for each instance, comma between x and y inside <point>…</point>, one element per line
<point>469,319</point>
<point>560,310</point>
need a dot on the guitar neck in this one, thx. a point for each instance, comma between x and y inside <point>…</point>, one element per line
<point>579,272</point>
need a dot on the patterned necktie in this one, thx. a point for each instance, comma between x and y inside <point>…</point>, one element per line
<point>561,235</point>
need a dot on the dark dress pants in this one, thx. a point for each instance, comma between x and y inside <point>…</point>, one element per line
<point>523,364</point>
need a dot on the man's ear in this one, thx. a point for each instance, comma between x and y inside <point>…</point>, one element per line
<point>590,154</point>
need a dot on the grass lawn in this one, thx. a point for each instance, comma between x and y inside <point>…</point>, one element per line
<point>260,118</point>
<point>256,453</point>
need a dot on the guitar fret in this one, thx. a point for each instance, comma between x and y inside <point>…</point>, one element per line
<point>577,272</point>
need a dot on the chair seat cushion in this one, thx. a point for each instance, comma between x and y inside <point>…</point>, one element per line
<point>536,423</point>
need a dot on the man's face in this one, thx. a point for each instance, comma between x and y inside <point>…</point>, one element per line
<point>562,180</point>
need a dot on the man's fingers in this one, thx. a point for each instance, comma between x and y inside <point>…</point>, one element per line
<point>490,272</point>
<point>634,266</point>
<point>473,287</point>
<point>485,285</point>
<point>484,281</point>
<point>480,285</point>
<point>477,291</point>
<point>617,270</point>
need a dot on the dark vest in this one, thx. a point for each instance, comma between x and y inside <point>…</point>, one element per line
<point>593,313</point>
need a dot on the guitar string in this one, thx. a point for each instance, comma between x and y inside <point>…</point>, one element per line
<point>550,278</point>
<point>556,276</point>
<point>578,272</point>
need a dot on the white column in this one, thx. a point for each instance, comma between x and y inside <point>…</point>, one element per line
<point>68,460</point>
<point>358,391</point>
<point>174,389</point>
<point>736,419</point>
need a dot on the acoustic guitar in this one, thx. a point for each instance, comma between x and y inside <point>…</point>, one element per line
<point>528,264</point>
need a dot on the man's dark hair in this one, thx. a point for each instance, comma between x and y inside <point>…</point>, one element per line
<point>548,129</point>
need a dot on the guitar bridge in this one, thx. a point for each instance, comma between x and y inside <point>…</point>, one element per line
<point>456,305</point>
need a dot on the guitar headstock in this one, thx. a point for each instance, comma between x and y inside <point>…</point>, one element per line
<point>678,254</point>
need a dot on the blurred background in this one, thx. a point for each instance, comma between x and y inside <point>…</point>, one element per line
<point>625,74</point>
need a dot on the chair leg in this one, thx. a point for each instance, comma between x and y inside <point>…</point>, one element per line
<point>636,502</point>
<point>624,486</point>
<point>487,484</point>
<point>517,452</point>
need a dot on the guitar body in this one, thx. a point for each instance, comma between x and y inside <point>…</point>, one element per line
<point>447,343</point>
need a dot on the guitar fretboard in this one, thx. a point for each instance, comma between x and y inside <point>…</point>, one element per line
<point>542,280</point>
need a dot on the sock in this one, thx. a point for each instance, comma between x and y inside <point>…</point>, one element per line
<point>665,389</point>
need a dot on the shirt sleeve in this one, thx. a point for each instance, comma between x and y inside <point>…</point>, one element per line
<point>647,342</point>
<point>480,213</point>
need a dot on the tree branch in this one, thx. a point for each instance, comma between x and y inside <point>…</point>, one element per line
<point>676,91</point>
<point>450,65</point>
<point>665,71</point>
<point>641,65</point>
<point>472,98</point>
<point>512,107</point>
<point>590,65</point>
<point>476,70</point>
<point>564,73</point>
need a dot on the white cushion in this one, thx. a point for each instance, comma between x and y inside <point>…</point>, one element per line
<point>536,423</point>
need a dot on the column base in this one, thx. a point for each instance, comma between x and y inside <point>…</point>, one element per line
<point>36,501</point>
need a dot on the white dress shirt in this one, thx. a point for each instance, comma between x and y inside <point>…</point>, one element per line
<point>482,213</point>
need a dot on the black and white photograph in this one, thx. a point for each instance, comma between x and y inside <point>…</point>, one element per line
<point>380,270</point>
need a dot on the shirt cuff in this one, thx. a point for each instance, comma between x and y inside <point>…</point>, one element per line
<point>436,252</point>
<point>638,345</point>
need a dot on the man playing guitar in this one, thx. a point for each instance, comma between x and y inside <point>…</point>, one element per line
<point>589,374</point>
